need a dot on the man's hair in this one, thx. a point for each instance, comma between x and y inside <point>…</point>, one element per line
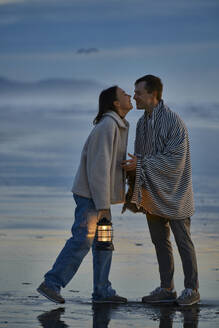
<point>152,83</point>
<point>106,102</point>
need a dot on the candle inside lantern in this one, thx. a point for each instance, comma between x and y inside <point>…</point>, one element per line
<point>104,234</point>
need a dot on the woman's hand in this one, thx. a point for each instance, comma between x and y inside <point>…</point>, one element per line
<point>104,213</point>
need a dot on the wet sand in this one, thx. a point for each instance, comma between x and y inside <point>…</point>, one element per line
<point>35,312</point>
<point>27,254</point>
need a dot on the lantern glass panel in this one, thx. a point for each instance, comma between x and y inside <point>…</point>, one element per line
<point>105,233</point>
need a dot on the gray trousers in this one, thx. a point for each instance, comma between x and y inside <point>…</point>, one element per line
<point>160,235</point>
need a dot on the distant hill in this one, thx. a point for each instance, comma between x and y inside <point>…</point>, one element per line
<point>47,86</point>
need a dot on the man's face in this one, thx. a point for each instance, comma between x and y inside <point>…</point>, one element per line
<point>144,100</point>
<point>123,101</point>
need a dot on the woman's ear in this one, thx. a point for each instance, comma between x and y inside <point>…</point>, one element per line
<point>116,103</point>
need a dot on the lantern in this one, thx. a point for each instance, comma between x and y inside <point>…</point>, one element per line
<point>104,235</point>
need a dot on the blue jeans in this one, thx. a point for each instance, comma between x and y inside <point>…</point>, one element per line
<point>75,249</point>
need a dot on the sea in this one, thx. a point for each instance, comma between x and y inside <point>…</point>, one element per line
<point>40,146</point>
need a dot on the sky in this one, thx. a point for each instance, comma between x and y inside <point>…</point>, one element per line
<point>114,41</point>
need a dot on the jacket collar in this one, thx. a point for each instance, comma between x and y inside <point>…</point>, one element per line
<point>123,123</point>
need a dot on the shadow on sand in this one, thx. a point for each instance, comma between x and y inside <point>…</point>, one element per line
<point>103,313</point>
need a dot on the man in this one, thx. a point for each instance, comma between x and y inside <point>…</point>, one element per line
<point>99,182</point>
<point>163,188</point>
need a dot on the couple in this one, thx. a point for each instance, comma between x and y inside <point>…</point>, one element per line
<point>160,185</point>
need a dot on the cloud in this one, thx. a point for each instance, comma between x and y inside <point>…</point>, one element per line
<point>121,52</point>
<point>6,2</point>
<point>55,90</point>
<point>71,85</point>
<point>205,111</point>
<point>87,51</point>
<point>205,115</point>
<point>9,20</point>
<point>102,11</point>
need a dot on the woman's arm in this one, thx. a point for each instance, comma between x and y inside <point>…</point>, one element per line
<point>99,157</point>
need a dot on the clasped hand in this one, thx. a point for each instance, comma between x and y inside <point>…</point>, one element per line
<point>130,164</point>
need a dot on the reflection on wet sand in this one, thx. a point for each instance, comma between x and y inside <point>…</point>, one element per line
<point>191,316</point>
<point>51,319</point>
<point>166,315</point>
<point>103,313</point>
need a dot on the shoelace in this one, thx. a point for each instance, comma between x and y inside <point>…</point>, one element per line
<point>186,292</point>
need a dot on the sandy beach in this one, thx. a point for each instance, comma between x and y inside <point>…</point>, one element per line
<point>36,217</point>
<point>27,254</point>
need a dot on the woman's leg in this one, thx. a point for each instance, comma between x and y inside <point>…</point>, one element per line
<point>101,268</point>
<point>75,249</point>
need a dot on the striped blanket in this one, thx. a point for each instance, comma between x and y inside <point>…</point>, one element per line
<point>163,182</point>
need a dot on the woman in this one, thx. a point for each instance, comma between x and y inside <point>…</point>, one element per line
<point>99,182</point>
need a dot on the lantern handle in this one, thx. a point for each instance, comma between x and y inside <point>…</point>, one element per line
<point>104,221</point>
<point>104,214</point>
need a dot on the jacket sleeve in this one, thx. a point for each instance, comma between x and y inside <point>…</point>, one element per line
<point>99,158</point>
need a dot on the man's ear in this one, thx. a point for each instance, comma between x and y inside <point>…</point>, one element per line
<point>154,93</point>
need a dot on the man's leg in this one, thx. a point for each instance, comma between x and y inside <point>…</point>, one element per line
<point>75,249</point>
<point>181,231</point>
<point>160,233</point>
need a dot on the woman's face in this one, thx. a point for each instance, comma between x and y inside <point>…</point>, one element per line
<point>123,103</point>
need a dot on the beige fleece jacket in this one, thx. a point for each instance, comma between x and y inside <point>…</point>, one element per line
<point>100,175</point>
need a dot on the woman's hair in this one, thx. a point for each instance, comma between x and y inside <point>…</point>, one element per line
<point>106,100</point>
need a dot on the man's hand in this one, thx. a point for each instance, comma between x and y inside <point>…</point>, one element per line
<point>130,164</point>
